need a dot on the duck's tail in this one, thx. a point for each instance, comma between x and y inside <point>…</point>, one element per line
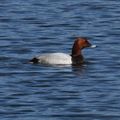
<point>34,60</point>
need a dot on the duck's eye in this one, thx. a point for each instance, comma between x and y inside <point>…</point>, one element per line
<point>86,41</point>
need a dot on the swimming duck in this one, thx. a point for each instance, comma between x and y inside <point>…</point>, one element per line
<point>75,58</point>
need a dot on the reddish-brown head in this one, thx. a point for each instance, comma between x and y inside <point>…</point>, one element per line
<point>79,44</point>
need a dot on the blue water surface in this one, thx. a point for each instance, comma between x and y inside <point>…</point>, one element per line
<point>40,92</point>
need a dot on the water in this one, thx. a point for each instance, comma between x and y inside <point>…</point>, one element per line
<point>38,92</point>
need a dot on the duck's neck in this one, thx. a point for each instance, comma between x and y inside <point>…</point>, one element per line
<point>77,57</point>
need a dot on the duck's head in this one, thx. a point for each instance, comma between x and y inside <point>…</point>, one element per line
<point>79,44</point>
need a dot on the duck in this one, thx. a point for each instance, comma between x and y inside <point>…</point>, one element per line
<point>75,58</point>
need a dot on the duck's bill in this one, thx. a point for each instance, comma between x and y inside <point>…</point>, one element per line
<point>93,46</point>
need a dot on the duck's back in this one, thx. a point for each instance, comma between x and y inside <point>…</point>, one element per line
<point>55,58</point>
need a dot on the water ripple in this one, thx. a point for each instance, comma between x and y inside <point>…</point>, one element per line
<point>86,92</point>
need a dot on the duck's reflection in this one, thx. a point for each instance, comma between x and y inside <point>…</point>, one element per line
<point>81,69</point>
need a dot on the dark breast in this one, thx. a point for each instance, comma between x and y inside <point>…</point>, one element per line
<point>77,59</point>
